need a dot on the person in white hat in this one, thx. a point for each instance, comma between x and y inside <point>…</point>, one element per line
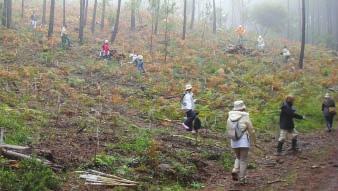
<point>188,106</point>
<point>241,145</point>
<point>329,111</point>
<point>133,58</point>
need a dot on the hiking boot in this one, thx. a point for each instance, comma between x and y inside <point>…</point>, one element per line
<point>279,148</point>
<point>243,180</point>
<point>294,145</point>
<point>234,176</point>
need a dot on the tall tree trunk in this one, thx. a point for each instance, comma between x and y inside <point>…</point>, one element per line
<point>81,25</point>
<point>288,32</point>
<point>94,17</point>
<point>132,17</point>
<point>4,13</point>
<point>103,13</point>
<point>44,5</point>
<point>302,50</point>
<point>214,20</point>
<point>184,19</point>
<point>9,14</point>
<point>22,8</point>
<point>64,13</point>
<point>116,27</point>
<point>166,39</point>
<point>192,15</point>
<point>51,18</point>
<point>85,13</point>
<point>157,16</point>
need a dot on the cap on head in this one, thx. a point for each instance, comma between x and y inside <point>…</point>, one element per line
<point>188,87</point>
<point>239,105</point>
<point>106,41</point>
<point>140,57</point>
<point>290,98</point>
<point>327,95</point>
<point>259,36</point>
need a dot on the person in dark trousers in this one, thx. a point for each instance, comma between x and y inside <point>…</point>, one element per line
<point>288,112</point>
<point>329,111</point>
<point>188,106</point>
<point>65,41</point>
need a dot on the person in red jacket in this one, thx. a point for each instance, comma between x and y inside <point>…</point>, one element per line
<point>105,49</point>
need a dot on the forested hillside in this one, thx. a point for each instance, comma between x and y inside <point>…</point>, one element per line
<point>78,109</point>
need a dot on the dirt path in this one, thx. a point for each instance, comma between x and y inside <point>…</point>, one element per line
<point>314,168</point>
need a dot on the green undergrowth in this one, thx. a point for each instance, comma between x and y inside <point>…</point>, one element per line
<point>29,175</point>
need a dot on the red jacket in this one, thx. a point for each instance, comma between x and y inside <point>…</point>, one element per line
<point>105,48</point>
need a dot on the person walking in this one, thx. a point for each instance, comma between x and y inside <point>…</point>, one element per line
<point>33,20</point>
<point>188,106</point>
<point>288,112</point>
<point>260,44</point>
<point>329,111</point>
<point>140,64</point>
<point>286,55</point>
<point>239,118</point>
<point>65,41</point>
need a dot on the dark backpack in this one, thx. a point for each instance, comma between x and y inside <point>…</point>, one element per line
<point>197,123</point>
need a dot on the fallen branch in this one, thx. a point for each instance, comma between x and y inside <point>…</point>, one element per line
<point>94,177</point>
<point>16,147</point>
<point>276,181</point>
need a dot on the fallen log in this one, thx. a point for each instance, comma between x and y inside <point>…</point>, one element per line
<point>276,181</point>
<point>16,147</point>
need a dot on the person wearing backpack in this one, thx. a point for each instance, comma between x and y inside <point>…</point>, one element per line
<point>329,111</point>
<point>242,135</point>
<point>288,112</point>
<point>188,106</point>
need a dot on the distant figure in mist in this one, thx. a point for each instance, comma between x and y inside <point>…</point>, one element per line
<point>286,55</point>
<point>33,20</point>
<point>329,111</point>
<point>65,41</point>
<point>240,31</point>
<point>105,50</point>
<point>133,58</point>
<point>260,44</point>
<point>140,64</point>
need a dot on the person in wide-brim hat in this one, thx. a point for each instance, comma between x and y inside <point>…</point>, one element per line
<point>188,106</point>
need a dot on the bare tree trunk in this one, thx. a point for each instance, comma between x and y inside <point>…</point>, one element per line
<point>51,18</point>
<point>103,13</point>
<point>22,8</point>
<point>85,13</point>
<point>166,40</point>
<point>192,15</point>
<point>44,5</point>
<point>4,13</point>
<point>81,25</point>
<point>9,14</point>
<point>288,32</point>
<point>132,16</point>
<point>302,50</point>
<point>94,17</point>
<point>184,19</point>
<point>214,20</point>
<point>116,27</point>
<point>64,13</point>
<point>157,16</point>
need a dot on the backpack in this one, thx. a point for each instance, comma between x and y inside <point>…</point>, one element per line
<point>197,123</point>
<point>234,131</point>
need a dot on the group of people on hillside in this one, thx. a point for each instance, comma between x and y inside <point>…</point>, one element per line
<point>242,133</point>
<point>241,31</point>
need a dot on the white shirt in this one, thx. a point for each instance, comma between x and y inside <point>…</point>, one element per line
<point>286,52</point>
<point>188,101</point>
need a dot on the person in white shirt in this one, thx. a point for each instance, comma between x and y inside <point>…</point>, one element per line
<point>260,44</point>
<point>188,106</point>
<point>286,54</point>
